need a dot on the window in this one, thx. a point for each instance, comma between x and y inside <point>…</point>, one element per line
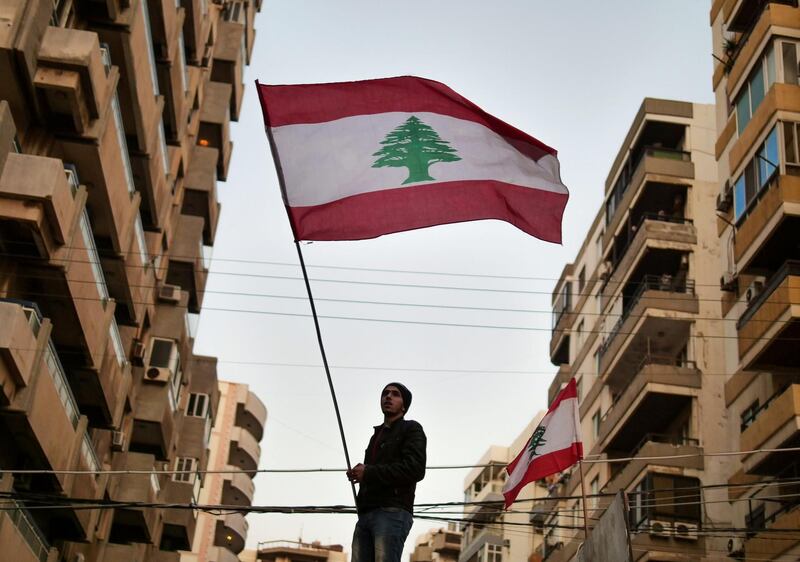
<point>185,470</point>
<point>789,55</point>
<point>197,405</point>
<point>753,91</point>
<point>595,491</point>
<point>563,303</point>
<point>494,553</point>
<point>756,175</point>
<point>665,497</point>
<point>596,423</point>
<point>581,280</point>
<point>749,415</point>
<point>579,336</point>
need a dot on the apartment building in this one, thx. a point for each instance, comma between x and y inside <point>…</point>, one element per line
<point>295,551</point>
<point>438,545</point>
<point>234,451</point>
<point>490,533</point>
<point>636,321</point>
<point>114,130</point>
<point>755,80</point>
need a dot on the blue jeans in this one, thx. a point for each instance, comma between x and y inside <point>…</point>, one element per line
<point>380,535</point>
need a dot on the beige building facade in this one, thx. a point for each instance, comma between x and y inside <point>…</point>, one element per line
<point>439,545</point>
<point>233,457</point>
<point>490,533</point>
<point>636,321</point>
<point>114,131</point>
<point>755,80</point>
<point>295,551</point>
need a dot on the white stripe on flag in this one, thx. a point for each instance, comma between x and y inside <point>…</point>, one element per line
<point>339,156</point>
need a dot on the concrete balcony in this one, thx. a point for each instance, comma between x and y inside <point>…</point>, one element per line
<point>71,79</point>
<point>769,226</point>
<point>474,543</point>
<point>23,25</point>
<point>153,417</point>
<point>231,532</point>
<point>655,321</point>
<point>238,489</point>
<point>131,524</point>
<point>193,437</point>
<point>653,234</point>
<point>19,340</point>
<point>221,554</point>
<point>179,524</point>
<point>666,546</point>
<point>646,403</point>
<point>229,61</point>
<point>244,451</point>
<point>118,12</point>
<point>251,414</point>
<point>563,375</point>
<point>38,206</point>
<point>186,268</point>
<point>656,168</point>
<point>769,327</point>
<point>20,535</point>
<point>215,120</point>
<point>773,541</point>
<point>626,474</point>
<point>196,27</point>
<point>200,191</point>
<point>560,337</point>
<point>447,542</point>
<point>776,425</point>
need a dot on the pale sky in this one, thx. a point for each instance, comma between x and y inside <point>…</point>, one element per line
<point>570,73</point>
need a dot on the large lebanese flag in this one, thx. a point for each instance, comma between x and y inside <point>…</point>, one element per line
<point>361,159</point>
<point>554,446</point>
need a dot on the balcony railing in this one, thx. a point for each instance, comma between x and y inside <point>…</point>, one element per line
<point>90,455</point>
<point>660,216</point>
<point>676,440</point>
<point>790,267</point>
<point>29,531</point>
<point>665,283</point>
<point>774,494</point>
<point>94,257</point>
<point>53,364</point>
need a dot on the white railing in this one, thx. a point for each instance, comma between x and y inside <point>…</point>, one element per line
<point>116,341</point>
<point>154,483</point>
<point>140,240</point>
<point>150,57</point>
<point>162,143</point>
<point>182,63</point>
<point>90,455</point>
<point>63,390</point>
<point>94,258</point>
<point>123,144</point>
<point>29,531</point>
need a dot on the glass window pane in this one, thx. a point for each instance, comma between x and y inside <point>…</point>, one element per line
<point>789,149</point>
<point>770,67</point>
<point>789,51</point>
<point>160,355</point>
<point>757,88</point>
<point>750,180</point>
<point>743,110</point>
<point>739,199</point>
<point>771,150</point>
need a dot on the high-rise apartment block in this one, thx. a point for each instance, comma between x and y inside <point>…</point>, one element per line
<point>636,321</point>
<point>233,457</point>
<point>757,49</point>
<point>114,130</point>
<point>439,545</point>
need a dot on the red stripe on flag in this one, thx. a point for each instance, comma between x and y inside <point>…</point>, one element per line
<point>546,465</point>
<point>372,214</point>
<point>317,103</point>
<point>569,391</point>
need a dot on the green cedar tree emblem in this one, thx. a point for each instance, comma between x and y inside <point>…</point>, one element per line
<point>414,145</point>
<point>537,439</point>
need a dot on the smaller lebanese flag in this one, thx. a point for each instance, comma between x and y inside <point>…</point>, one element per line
<point>554,446</point>
<point>357,160</point>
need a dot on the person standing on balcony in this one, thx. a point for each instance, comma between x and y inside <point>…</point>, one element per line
<point>394,462</point>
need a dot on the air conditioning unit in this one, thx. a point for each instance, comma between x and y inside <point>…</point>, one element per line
<point>660,528</point>
<point>169,293</point>
<point>117,440</point>
<point>158,375</point>
<point>736,548</point>
<point>685,531</point>
<point>754,290</point>
<point>725,198</point>
<point>728,282</point>
<point>137,352</point>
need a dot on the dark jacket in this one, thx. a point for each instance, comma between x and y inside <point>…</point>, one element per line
<point>394,463</point>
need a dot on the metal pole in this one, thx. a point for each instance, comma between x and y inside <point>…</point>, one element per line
<point>325,363</point>
<point>585,510</point>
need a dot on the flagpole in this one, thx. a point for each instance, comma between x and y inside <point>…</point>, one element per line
<point>325,362</point>
<point>585,510</point>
